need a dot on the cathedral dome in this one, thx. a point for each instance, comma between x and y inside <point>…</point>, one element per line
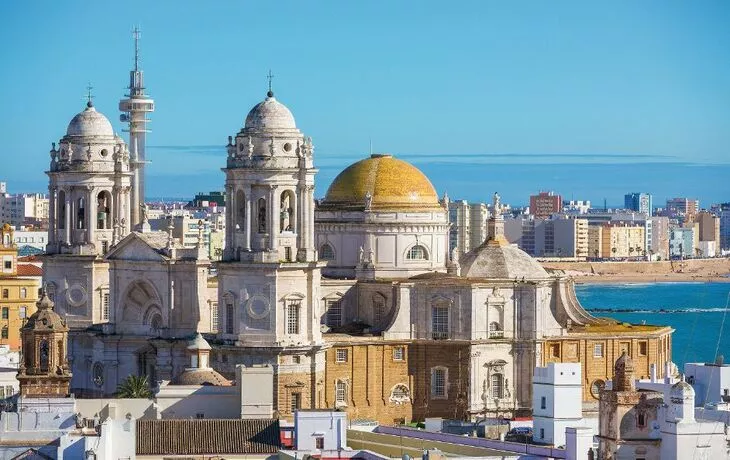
<point>498,259</point>
<point>270,115</point>
<point>89,123</point>
<point>389,183</point>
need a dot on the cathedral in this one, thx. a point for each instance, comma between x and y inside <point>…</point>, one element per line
<point>354,300</point>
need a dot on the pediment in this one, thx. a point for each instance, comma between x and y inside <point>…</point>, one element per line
<point>133,248</point>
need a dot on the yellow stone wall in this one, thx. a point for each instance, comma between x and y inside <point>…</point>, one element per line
<point>581,348</point>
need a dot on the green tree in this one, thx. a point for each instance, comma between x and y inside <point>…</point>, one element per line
<point>134,386</point>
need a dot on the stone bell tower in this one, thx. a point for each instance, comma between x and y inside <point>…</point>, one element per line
<point>44,370</point>
<point>89,211</point>
<point>269,279</point>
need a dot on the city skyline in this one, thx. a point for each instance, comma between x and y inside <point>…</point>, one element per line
<point>553,94</point>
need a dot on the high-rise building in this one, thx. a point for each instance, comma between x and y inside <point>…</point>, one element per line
<point>657,238</point>
<point>468,225</point>
<point>24,209</point>
<point>618,241</point>
<point>709,227</point>
<point>683,207</point>
<point>725,225</point>
<point>639,202</point>
<point>545,204</point>
<point>556,237</point>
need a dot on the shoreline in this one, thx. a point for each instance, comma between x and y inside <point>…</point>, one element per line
<point>627,279</point>
<point>716,270</point>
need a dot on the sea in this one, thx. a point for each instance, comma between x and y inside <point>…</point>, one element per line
<point>699,312</point>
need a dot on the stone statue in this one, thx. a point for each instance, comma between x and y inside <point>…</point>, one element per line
<point>455,256</point>
<point>262,219</point>
<point>285,213</point>
<point>250,147</point>
<point>497,206</point>
<point>371,256</point>
<point>271,146</point>
<point>361,255</point>
<point>368,200</point>
<point>145,210</point>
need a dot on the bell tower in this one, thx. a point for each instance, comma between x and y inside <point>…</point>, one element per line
<point>89,211</point>
<point>269,279</point>
<point>44,370</point>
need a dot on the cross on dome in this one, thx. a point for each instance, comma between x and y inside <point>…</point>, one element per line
<point>89,96</point>
<point>270,76</point>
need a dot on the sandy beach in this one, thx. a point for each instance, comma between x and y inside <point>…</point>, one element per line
<point>700,270</point>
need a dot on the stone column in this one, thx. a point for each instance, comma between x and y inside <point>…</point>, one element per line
<point>249,220</point>
<point>52,235</point>
<point>273,226</point>
<point>91,212</point>
<point>72,215</point>
<point>230,228</point>
<point>67,217</point>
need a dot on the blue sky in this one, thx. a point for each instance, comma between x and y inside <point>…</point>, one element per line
<point>480,86</point>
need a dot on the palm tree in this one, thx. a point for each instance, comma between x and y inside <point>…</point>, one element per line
<point>134,386</point>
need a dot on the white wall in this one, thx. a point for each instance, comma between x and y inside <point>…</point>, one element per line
<point>327,424</point>
<point>710,382</point>
<point>560,386</point>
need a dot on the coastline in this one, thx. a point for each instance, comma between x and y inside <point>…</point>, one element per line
<point>587,278</point>
<point>715,270</point>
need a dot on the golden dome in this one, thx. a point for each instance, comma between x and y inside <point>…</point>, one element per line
<point>391,183</point>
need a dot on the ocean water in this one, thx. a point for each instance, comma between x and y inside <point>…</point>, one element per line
<point>699,313</point>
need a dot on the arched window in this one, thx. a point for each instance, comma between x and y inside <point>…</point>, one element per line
<point>61,206</point>
<point>81,214</point>
<point>497,386</point>
<point>155,323</point>
<point>417,252</point>
<point>103,211</point>
<point>326,252</point>
<point>240,210</point>
<point>23,293</point>
<point>43,355</point>
<point>261,216</point>
<point>4,332</point>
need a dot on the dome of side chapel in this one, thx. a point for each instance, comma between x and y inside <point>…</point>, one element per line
<point>391,184</point>
<point>498,259</point>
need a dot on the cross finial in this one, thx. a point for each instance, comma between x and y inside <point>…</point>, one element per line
<point>270,76</point>
<point>89,96</point>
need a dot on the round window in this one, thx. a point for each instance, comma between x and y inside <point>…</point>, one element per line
<point>104,152</point>
<point>258,307</point>
<point>287,147</point>
<point>76,295</point>
<point>596,388</point>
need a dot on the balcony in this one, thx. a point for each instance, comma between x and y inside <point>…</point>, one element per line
<point>496,334</point>
<point>439,335</point>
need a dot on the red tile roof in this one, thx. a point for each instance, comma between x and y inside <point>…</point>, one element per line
<point>29,270</point>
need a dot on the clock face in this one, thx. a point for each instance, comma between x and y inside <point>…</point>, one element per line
<point>257,306</point>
